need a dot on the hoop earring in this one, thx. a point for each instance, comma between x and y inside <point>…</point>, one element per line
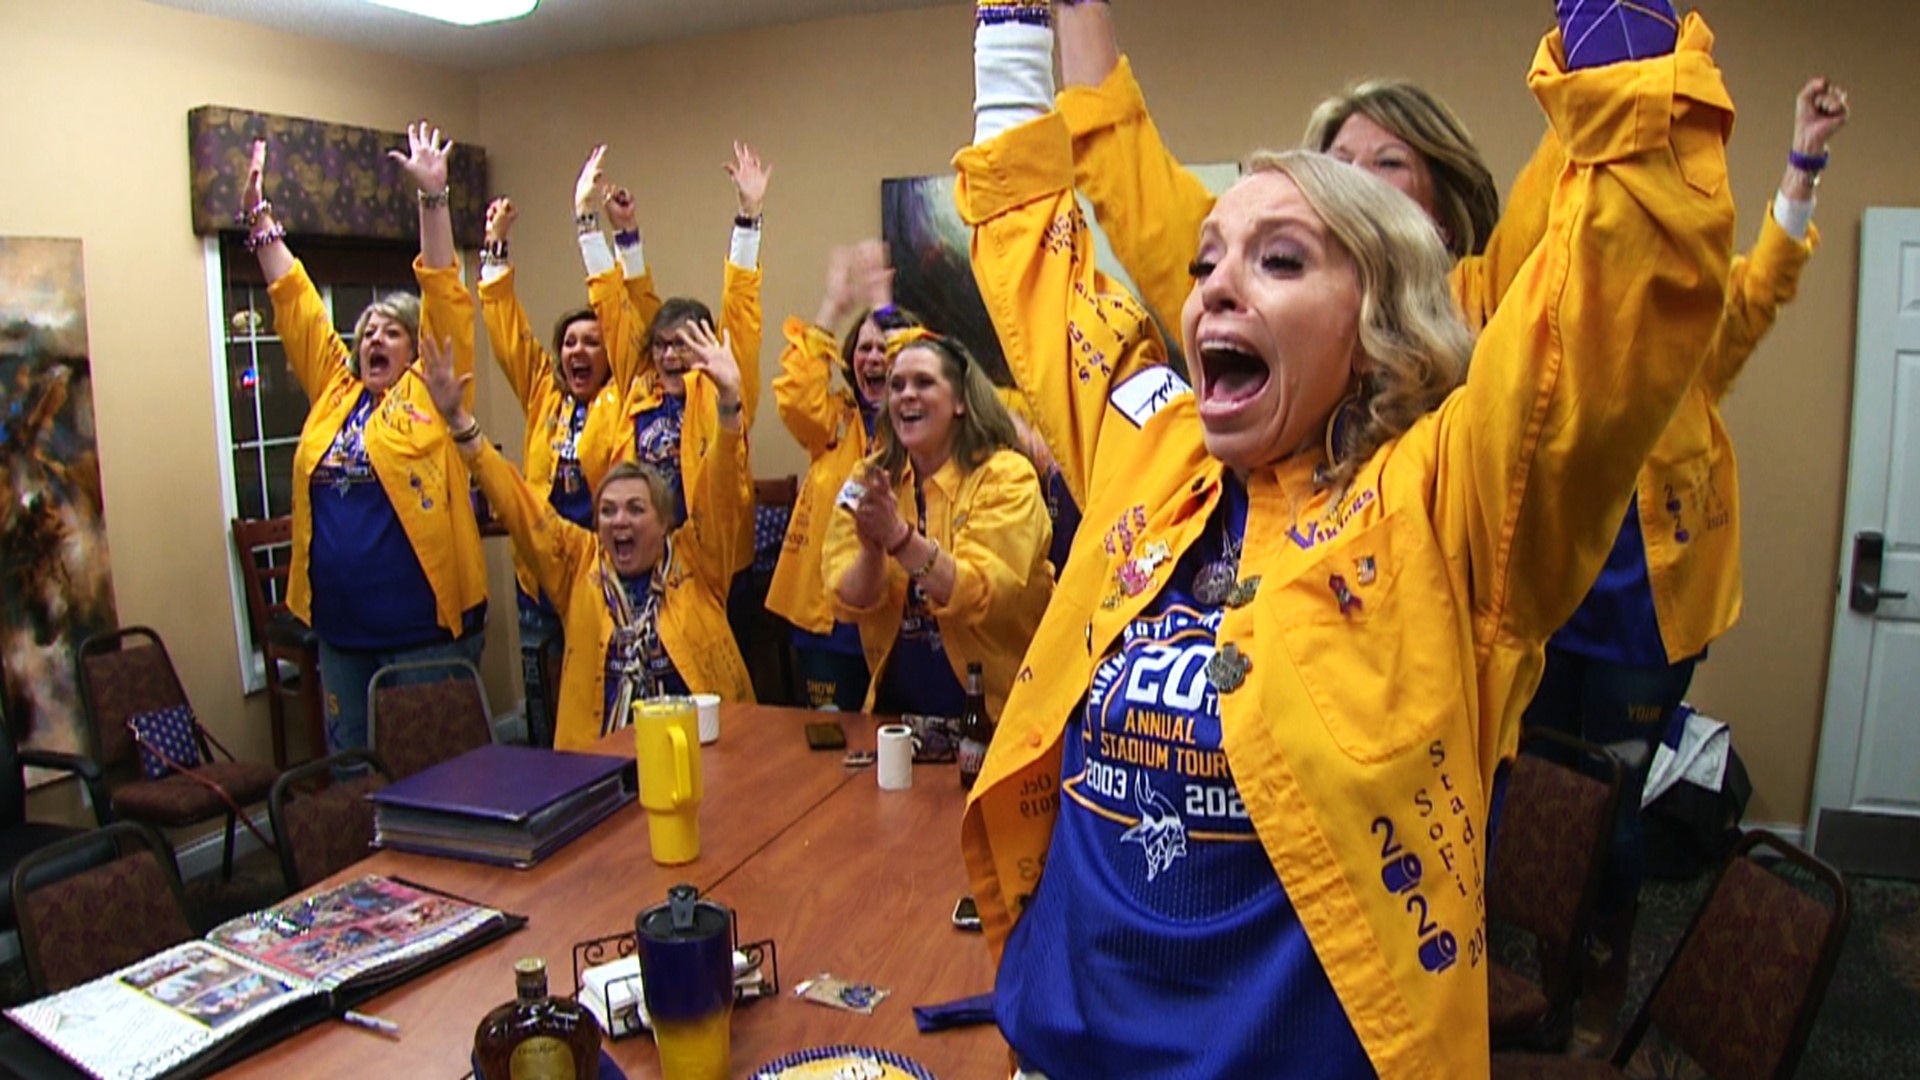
<point>1342,424</point>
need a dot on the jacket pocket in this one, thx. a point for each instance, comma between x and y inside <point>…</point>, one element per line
<point>1375,633</point>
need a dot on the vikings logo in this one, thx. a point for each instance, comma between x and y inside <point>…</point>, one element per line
<point>657,445</point>
<point>1161,834</point>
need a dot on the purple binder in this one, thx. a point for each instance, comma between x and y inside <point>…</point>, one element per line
<point>502,804</point>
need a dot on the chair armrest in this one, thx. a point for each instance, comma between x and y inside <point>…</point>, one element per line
<point>85,768</point>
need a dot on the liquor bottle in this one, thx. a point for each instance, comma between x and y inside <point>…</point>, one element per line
<point>534,1036</point>
<point>976,728</point>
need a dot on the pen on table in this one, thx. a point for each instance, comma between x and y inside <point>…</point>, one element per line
<point>372,1023</point>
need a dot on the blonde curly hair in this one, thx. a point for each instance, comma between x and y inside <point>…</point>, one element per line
<point>1415,344</point>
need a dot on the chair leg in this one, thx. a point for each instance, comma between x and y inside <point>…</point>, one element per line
<point>226,853</point>
<point>276,712</point>
<point>316,706</point>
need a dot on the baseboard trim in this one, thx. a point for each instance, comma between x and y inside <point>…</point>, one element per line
<point>1792,834</point>
<point>200,856</point>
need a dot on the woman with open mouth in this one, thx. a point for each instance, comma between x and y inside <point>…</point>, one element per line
<point>1233,822</point>
<point>387,565</point>
<point>1618,670</point>
<point>643,601</point>
<point>582,384</point>
<point>835,425</point>
<point>940,555</point>
<point>672,410</point>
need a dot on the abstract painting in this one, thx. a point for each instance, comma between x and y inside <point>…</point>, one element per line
<point>53,540</point>
<point>933,276</point>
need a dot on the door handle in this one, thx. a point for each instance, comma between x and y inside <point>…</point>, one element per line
<point>1869,551</point>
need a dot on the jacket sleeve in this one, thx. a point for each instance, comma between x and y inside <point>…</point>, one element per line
<point>995,547</point>
<point>718,508</point>
<point>1083,351</point>
<point>554,547</point>
<point>314,349</point>
<point>525,362</point>
<point>1479,281</point>
<point>803,391</point>
<point>446,311</point>
<point>1758,284</point>
<point>740,316</point>
<point>624,307</point>
<point>1600,336</point>
<point>1149,205</point>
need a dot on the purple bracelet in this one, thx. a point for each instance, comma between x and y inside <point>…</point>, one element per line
<point>1811,164</point>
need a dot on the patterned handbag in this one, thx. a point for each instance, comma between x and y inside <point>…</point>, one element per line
<point>168,739</point>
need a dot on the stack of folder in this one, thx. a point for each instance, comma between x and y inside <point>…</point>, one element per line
<point>512,805</point>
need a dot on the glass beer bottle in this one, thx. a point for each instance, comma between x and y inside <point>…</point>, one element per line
<point>976,728</point>
<point>534,1036</point>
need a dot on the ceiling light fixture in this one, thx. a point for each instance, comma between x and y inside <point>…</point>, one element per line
<point>463,12</point>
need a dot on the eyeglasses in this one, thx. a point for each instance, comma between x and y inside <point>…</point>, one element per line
<point>663,346</point>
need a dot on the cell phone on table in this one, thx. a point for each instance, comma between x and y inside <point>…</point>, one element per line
<point>966,914</point>
<point>826,736</point>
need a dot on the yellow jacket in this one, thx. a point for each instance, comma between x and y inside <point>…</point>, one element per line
<point>1151,209</point>
<point>827,424</point>
<point>993,521</point>
<point>740,317</point>
<point>1365,734</point>
<point>407,443</point>
<point>530,371</point>
<point>693,614</point>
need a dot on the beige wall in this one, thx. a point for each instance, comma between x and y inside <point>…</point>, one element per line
<point>96,148</point>
<point>837,106</point>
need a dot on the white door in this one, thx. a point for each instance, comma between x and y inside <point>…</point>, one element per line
<point>1866,792</point>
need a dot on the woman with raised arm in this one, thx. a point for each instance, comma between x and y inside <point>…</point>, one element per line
<point>1617,671</point>
<point>585,387</point>
<point>939,552</point>
<point>643,601</point>
<point>834,424</point>
<point>673,413</point>
<point>387,565</point>
<point>1233,822</point>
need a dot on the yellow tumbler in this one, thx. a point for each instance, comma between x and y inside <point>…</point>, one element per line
<point>666,739</point>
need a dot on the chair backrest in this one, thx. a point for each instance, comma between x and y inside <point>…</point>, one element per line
<point>414,724</point>
<point>1550,851</point>
<point>773,508</point>
<point>324,831</point>
<point>251,536</point>
<point>1744,984</point>
<point>77,926</point>
<point>122,673</point>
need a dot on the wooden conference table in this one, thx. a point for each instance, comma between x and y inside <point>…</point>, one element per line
<point>844,877</point>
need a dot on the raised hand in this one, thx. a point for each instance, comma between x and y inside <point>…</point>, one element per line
<point>838,300</point>
<point>590,190</point>
<point>500,217</point>
<point>252,189</point>
<point>715,357</point>
<point>1819,111</point>
<point>447,388</point>
<point>872,275</point>
<point>621,210</point>
<point>425,161</point>
<point>750,178</point>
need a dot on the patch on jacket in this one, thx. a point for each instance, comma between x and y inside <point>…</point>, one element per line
<point>1146,392</point>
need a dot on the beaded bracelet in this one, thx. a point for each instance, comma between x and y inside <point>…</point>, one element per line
<point>248,218</point>
<point>468,433</point>
<point>1003,12</point>
<point>626,238</point>
<point>271,234</point>
<point>587,221</point>
<point>748,221</point>
<point>433,200</point>
<point>933,556</point>
<point>493,251</point>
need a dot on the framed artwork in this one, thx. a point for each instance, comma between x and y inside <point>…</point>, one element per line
<point>53,539</point>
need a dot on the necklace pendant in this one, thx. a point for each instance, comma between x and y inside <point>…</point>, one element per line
<point>1215,582</point>
<point>1227,671</point>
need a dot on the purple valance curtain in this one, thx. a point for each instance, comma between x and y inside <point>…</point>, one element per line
<point>324,179</point>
